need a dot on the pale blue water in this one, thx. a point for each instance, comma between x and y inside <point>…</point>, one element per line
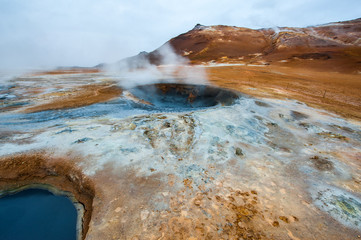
<point>36,214</point>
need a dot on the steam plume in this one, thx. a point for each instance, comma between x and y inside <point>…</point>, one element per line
<point>170,68</point>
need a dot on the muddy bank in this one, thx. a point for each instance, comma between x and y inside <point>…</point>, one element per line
<point>78,97</point>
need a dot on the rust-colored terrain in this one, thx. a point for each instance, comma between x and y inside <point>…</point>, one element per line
<point>76,97</point>
<point>318,65</point>
<point>337,92</point>
<point>264,167</point>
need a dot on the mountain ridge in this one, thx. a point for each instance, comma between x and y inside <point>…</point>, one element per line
<point>337,42</point>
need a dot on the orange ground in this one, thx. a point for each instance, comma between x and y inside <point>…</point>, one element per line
<point>333,91</point>
<point>83,96</point>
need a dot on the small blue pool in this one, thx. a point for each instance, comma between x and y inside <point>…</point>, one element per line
<point>36,214</point>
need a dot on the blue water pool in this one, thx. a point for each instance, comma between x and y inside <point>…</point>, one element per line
<point>36,214</point>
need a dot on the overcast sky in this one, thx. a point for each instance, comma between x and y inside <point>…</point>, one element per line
<point>47,33</point>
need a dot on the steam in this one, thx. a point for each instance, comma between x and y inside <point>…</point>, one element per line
<point>171,68</point>
<point>6,76</point>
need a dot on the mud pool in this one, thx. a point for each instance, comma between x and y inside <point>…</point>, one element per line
<point>255,168</point>
<point>37,214</point>
<point>183,97</point>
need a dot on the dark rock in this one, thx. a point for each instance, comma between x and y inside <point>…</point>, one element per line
<point>239,152</point>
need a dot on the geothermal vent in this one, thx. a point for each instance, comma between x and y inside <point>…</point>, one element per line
<point>182,97</point>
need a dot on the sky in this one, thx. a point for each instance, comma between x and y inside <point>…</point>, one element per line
<point>50,33</point>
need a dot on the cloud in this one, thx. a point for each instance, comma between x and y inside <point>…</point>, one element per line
<point>48,33</point>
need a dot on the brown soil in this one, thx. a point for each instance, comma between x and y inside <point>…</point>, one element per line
<point>82,96</point>
<point>337,92</point>
<point>38,168</point>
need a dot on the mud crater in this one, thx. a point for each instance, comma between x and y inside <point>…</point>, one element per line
<point>174,97</point>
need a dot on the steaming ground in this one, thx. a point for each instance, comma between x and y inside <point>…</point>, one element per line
<point>258,169</point>
<point>172,69</point>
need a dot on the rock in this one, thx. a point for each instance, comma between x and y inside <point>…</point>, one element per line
<point>132,126</point>
<point>239,152</point>
<point>276,224</point>
<point>197,202</point>
<point>82,140</point>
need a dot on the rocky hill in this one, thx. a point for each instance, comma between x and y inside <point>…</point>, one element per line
<point>334,44</point>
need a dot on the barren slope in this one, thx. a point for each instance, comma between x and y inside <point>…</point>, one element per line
<point>335,45</point>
